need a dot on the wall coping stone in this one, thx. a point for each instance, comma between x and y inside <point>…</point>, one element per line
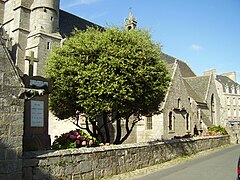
<point>76,151</point>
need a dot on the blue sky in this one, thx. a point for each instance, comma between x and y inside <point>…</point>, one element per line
<point>204,33</point>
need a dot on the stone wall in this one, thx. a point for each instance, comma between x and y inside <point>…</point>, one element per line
<point>11,118</point>
<point>95,163</point>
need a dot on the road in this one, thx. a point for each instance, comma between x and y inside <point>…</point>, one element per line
<point>220,165</point>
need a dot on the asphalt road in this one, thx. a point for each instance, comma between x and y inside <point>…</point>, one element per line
<point>220,165</point>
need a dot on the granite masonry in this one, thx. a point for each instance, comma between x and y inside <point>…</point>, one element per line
<point>99,162</point>
<point>11,117</point>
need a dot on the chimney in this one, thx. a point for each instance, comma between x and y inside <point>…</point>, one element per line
<point>210,72</point>
<point>231,75</point>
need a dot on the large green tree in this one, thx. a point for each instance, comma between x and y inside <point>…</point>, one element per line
<point>112,73</point>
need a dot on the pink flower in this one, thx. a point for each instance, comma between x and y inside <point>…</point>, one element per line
<point>72,137</point>
<point>84,143</point>
<point>76,133</point>
<point>77,142</point>
<point>82,138</point>
<point>91,142</point>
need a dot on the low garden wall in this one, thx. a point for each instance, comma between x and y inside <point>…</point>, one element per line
<point>99,162</point>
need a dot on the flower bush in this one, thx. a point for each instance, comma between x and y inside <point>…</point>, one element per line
<point>217,130</point>
<point>74,139</point>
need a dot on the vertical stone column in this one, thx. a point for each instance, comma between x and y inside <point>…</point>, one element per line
<point>11,118</point>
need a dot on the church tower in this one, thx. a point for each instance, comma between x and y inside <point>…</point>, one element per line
<point>44,16</point>
<point>130,22</point>
<point>32,27</point>
<point>44,20</point>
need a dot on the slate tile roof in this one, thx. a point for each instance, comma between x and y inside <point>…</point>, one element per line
<point>192,93</point>
<point>67,23</point>
<point>186,71</point>
<point>206,119</point>
<point>227,83</point>
<point>199,84</point>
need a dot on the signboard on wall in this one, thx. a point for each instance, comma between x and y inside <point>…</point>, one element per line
<point>37,113</point>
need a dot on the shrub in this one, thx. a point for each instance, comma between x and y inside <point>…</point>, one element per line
<point>217,130</point>
<point>74,139</point>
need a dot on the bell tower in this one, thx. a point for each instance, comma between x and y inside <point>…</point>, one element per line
<point>130,22</point>
<point>44,16</point>
<point>44,32</point>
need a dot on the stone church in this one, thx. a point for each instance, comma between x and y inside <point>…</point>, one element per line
<point>32,27</point>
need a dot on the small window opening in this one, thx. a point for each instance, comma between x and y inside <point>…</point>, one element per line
<point>149,123</point>
<point>48,45</point>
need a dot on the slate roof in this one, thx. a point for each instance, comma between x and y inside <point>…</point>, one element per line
<point>199,85</point>
<point>192,93</point>
<point>170,68</point>
<point>67,23</point>
<point>226,81</point>
<point>205,119</point>
<point>185,70</point>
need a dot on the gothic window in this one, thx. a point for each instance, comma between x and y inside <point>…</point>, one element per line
<point>51,18</point>
<point>170,121</point>
<point>212,108</point>
<point>179,103</point>
<point>187,122</point>
<point>149,123</point>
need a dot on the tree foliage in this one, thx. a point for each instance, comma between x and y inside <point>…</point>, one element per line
<point>104,72</point>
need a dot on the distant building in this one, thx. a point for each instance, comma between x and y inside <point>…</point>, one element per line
<point>229,93</point>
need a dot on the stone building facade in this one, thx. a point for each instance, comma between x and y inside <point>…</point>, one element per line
<point>11,116</point>
<point>229,93</point>
<point>191,105</point>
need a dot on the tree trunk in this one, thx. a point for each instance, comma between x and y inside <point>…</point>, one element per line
<point>128,130</point>
<point>105,122</point>
<point>119,130</point>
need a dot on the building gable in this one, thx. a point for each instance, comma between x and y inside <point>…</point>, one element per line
<point>185,70</point>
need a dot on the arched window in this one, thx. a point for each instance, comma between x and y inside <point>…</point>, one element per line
<point>179,103</point>
<point>170,121</point>
<point>187,122</point>
<point>235,113</point>
<point>212,108</point>
<point>229,113</point>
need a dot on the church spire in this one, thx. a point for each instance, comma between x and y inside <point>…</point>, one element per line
<point>130,22</point>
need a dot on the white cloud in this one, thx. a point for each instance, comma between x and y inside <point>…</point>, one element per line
<point>81,2</point>
<point>196,47</point>
<point>98,15</point>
